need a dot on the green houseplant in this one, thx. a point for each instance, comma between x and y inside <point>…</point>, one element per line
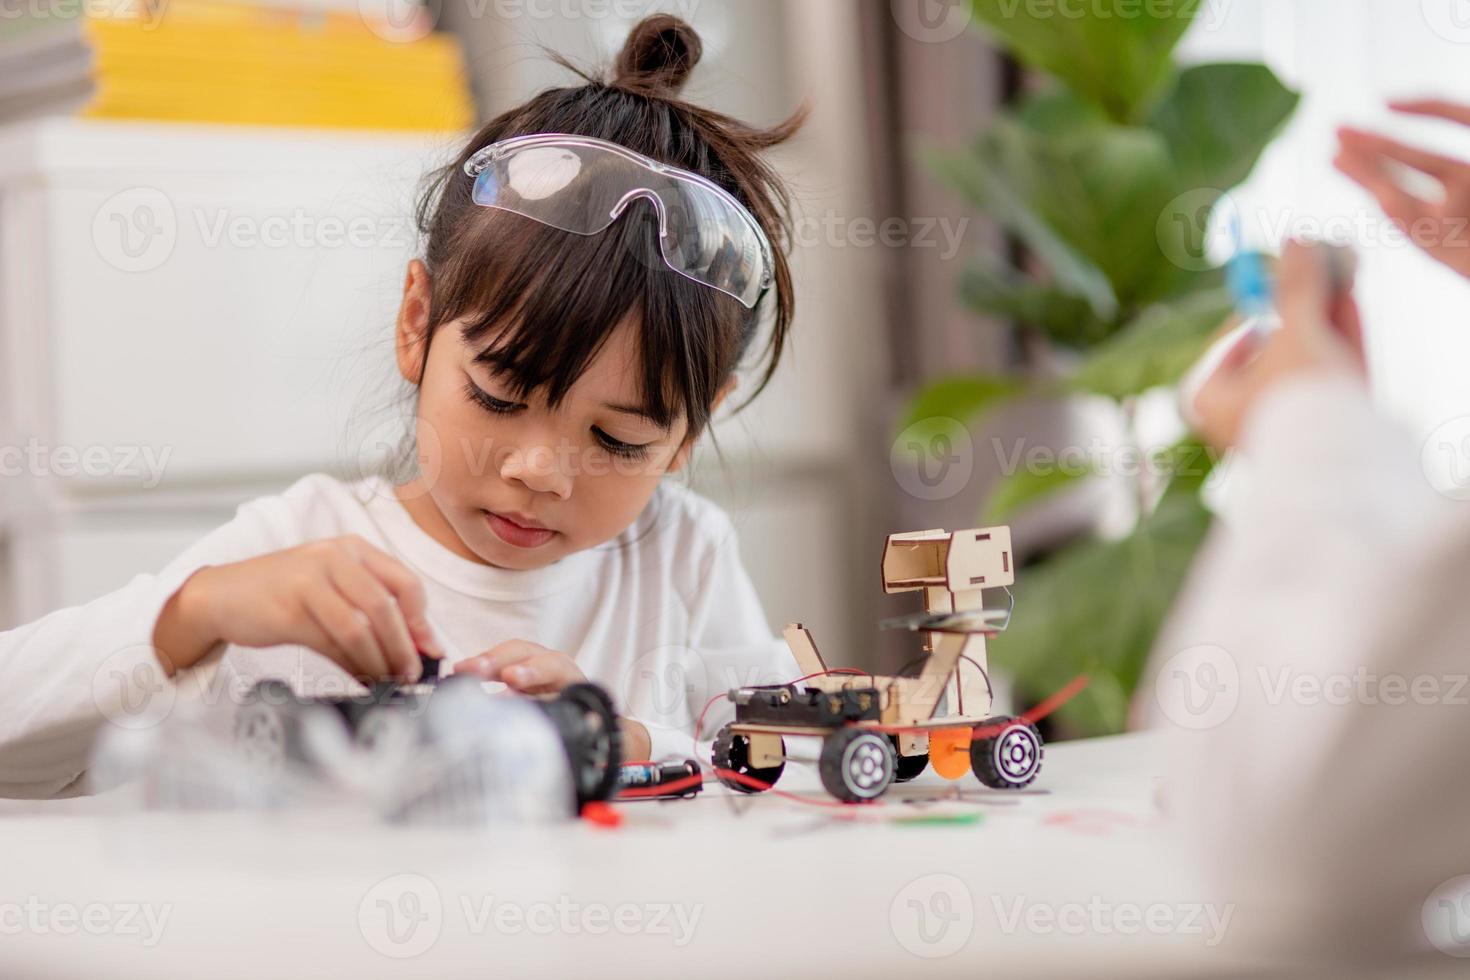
<point>1104,174</point>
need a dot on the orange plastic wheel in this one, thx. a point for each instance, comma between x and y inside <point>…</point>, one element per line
<point>949,752</point>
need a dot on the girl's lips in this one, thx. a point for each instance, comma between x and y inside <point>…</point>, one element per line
<point>513,534</point>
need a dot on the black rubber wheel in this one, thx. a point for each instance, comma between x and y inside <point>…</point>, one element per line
<point>596,751</point>
<point>857,766</point>
<point>732,752</point>
<point>906,767</point>
<point>1009,758</point>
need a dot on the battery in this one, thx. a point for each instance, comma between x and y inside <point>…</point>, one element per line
<point>644,775</point>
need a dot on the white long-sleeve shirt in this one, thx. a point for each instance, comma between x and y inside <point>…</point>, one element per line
<point>664,616</point>
<point>1314,676</point>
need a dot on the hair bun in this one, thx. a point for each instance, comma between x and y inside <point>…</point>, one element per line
<point>658,56</point>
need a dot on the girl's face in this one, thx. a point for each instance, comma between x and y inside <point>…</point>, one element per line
<point>510,482</point>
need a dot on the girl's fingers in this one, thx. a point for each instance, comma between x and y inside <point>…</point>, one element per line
<point>544,674</point>
<point>1348,320</point>
<point>1439,108</point>
<point>367,593</point>
<point>1434,164</point>
<point>351,630</point>
<point>1304,291</point>
<point>1368,172</point>
<point>489,664</point>
<point>412,600</point>
<point>1241,354</point>
<point>311,635</point>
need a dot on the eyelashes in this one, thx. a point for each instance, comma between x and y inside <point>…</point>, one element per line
<point>488,401</point>
<point>617,447</point>
<point>497,406</point>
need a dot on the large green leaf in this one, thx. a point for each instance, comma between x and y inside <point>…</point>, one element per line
<point>1117,55</point>
<point>1095,608</point>
<point>1188,464</point>
<point>1019,490</point>
<point>1217,120</point>
<point>985,178</point>
<point>1155,349</point>
<point>961,398</point>
<point>993,290</point>
<point>1089,199</point>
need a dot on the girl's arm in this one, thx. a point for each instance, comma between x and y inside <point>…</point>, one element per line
<point>281,573</point>
<point>65,676</point>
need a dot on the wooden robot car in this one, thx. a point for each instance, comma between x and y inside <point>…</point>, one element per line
<point>877,730</point>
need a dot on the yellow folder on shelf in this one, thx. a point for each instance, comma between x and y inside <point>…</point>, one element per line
<point>243,62</point>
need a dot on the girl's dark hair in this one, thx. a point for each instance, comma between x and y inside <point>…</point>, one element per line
<point>561,294</point>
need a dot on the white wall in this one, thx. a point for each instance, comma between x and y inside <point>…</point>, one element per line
<point>1348,57</point>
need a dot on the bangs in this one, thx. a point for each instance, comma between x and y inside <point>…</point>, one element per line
<point>542,303</point>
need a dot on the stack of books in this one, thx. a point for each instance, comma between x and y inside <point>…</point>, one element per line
<point>325,63</point>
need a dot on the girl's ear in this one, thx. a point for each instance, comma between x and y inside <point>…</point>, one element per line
<point>411,335</point>
<point>681,458</point>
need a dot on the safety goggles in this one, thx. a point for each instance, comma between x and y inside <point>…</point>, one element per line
<point>581,184</point>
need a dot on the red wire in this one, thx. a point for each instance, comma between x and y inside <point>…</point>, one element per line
<point>683,783</point>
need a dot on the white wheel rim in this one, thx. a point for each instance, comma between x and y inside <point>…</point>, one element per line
<point>262,738</point>
<point>866,767</point>
<point>1017,754</point>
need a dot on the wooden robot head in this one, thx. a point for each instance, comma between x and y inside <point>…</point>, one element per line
<point>959,561</point>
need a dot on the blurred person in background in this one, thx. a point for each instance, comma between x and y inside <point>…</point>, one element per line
<point>1315,669</point>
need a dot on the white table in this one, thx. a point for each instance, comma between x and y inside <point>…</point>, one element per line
<point>718,885</point>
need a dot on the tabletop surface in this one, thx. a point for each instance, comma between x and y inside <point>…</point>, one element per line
<point>1056,879</point>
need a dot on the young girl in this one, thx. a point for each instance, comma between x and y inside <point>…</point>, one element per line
<point>577,317</point>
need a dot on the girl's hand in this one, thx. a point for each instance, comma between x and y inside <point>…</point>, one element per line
<point>1320,334</point>
<point>525,666</point>
<point>341,597</point>
<point>1438,226</point>
<point>533,669</point>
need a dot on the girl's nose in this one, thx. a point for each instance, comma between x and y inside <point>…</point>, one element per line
<point>538,468</point>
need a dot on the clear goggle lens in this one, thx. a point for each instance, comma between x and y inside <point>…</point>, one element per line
<point>582,185</point>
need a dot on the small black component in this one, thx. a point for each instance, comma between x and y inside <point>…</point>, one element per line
<point>907,766</point>
<point>643,775</point>
<point>785,704</point>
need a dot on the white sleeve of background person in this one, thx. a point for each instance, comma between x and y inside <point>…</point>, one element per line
<point>1314,786</point>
